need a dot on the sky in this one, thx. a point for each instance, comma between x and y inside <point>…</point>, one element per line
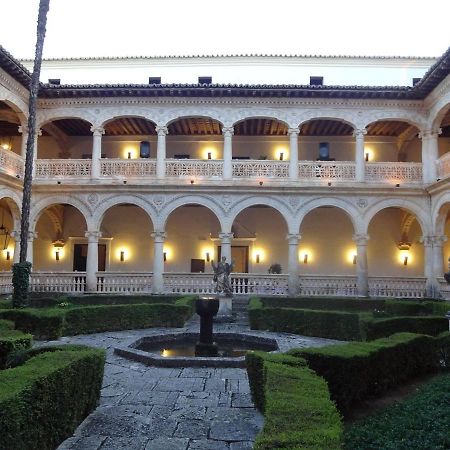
<point>88,28</point>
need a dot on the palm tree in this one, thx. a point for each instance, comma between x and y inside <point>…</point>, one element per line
<point>21,271</point>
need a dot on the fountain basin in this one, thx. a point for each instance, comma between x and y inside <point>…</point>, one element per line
<point>178,350</point>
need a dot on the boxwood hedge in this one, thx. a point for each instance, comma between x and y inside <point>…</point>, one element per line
<point>12,341</point>
<point>44,400</point>
<point>296,404</point>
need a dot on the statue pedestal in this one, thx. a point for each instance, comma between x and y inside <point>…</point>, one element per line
<point>206,308</point>
<point>225,313</point>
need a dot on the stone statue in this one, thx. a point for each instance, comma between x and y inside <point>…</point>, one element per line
<point>447,274</point>
<point>221,278</point>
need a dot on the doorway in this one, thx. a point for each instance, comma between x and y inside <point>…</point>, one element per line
<point>239,254</point>
<point>80,257</point>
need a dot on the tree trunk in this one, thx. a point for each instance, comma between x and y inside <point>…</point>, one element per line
<point>27,180</point>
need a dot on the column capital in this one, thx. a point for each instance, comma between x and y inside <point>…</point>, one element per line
<point>227,131</point>
<point>361,239</point>
<point>293,131</point>
<point>23,129</point>
<point>226,238</point>
<point>32,235</point>
<point>97,131</point>
<point>38,132</point>
<point>427,241</point>
<point>293,238</point>
<point>159,236</point>
<point>161,130</point>
<point>93,236</point>
<point>15,234</point>
<point>432,132</point>
<point>359,133</point>
<point>440,240</point>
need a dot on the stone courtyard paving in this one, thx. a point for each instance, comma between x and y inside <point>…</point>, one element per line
<point>156,408</point>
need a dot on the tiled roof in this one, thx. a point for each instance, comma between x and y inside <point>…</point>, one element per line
<point>430,80</point>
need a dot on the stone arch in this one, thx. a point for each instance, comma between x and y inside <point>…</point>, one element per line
<point>62,116</point>
<point>15,103</point>
<point>329,115</point>
<point>14,203</point>
<point>43,204</point>
<point>112,201</point>
<point>186,200</point>
<point>345,205</point>
<point>439,110</point>
<point>262,115</point>
<point>408,205</point>
<point>196,115</point>
<point>440,209</point>
<point>255,201</point>
<point>124,115</point>
<point>399,116</point>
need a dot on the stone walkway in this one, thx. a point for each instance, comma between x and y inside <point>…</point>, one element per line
<point>150,408</point>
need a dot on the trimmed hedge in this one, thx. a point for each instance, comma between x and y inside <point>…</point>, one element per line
<point>55,322</point>
<point>360,370</point>
<point>12,341</point>
<point>327,324</point>
<point>43,401</point>
<point>296,404</point>
<point>433,326</point>
<point>417,423</point>
<point>6,325</point>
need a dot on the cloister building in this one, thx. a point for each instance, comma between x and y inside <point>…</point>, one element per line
<point>138,187</point>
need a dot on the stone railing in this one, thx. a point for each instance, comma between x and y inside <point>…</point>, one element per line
<point>394,172</point>
<point>443,165</point>
<point>64,168</point>
<point>326,170</point>
<point>127,167</point>
<point>319,285</point>
<point>188,283</point>
<point>119,282</point>
<point>70,282</point>
<point>194,168</point>
<point>397,287</point>
<point>260,169</point>
<point>444,289</point>
<point>5,282</point>
<point>11,163</point>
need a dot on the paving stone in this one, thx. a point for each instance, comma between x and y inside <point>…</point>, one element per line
<point>194,372</point>
<point>198,399</point>
<point>207,444</point>
<point>180,384</point>
<point>244,387</point>
<point>216,385</point>
<point>83,443</point>
<point>167,444</point>
<point>193,429</point>
<point>125,443</point>
<point>194,412</point>
<point>239,400</point>
<point>244,445</point>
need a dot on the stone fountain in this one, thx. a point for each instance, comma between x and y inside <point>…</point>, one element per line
<point>206,308</point>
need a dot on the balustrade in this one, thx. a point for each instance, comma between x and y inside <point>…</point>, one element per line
<point>5,283</point>
<point>327,170</point>
<point>118,282</point>
<point>11,163</point>
<point>443,164</point>
<point>194,168</point>
<point>394,172</point>
<point>397,287</point>
<point>50,168</point>
<point>70,282</point>
<point>260,169</point>
<point>318,285</point>
<point>127,167</point>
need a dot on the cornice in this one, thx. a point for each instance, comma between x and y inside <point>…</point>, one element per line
<point>14,86</point>
<point>234,101</point>
<point>437,93</point>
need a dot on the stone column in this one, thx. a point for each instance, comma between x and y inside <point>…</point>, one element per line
<point>227,153</point>
<point>431,286</point>
<point>161,131</point>
<point>362,276</point>
<point>438,268</point>
<point>92,260</point>
<point>226,239</point>
<point>430,154</point>
<point>360,166</point>
<point>35,149</point>
<point>293,152</point>
<point>32,235</point>
<point>293,263</point>
<point>23,129</point>
<point>16,236</point>
<point>97,133</point>
<point>158,261</point>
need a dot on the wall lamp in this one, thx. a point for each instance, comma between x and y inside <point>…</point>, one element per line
<point>129,155</point>
<point>354,259</point>
<point>366,157</point>
<point>257,258</point>
<point>58,245</point>
<point>8,255</point>
<point>165,256</point>
<point>405,260</point>
<point>209,155</point>
<point>281,156</point>
<point>192,181</point>
<point>122,256</point>
<point>305,258</point>
<point>207,257</point>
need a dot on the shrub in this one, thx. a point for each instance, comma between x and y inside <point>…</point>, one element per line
<point>90,300</point>
<point>11,341</point>
<point>423,325</point>
<point>327,324</point>
<point>297,406</point>
<point>95,319</point>
<point>407,308</point>
<point>6,325</point>
<point>360,370</point>
<point>417,423</point>
<point>20,281</point>
<point>43,401</point>
<point>42,324</point>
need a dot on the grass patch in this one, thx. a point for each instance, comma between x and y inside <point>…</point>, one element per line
<point>421,422</point>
